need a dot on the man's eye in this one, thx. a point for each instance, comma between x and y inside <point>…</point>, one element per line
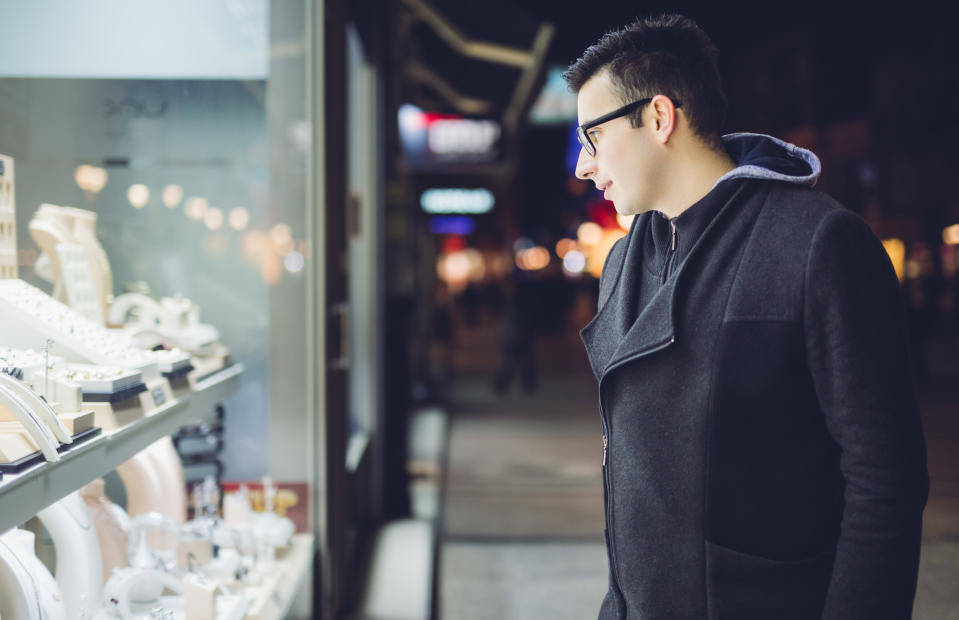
<point>593,134</point>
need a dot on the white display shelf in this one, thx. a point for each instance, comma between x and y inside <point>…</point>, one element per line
<point>273,599</point>
<point>213,390</point>
<point>25,494</point>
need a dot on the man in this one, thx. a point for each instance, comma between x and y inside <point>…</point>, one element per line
<point>763,454</point>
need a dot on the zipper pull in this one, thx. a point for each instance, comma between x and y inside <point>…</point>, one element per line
<point>673,224</point>
<point>605,443</point>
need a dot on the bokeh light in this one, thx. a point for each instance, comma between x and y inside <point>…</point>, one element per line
<point>458,268</point>
<point>574,262</point>
<point>90,178</point>
<point>239,218</point>
<point>533,259</point>
<point>564,246</point>
<point>294,262</point>
<point>213,218</point>
<point>896,250</point>
<point>950,234</point>
<point>598,253</point>
<point>172,195</point>
<point>138,195</point>
<point>523,243</point>
<point>195,207</point>
<point>589,233</point>
<point>281,234</point>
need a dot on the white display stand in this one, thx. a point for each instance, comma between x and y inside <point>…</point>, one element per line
<point>79,569</point>
<point>27,589</point>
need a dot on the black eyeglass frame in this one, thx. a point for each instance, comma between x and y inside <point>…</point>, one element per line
<point>583,137</point>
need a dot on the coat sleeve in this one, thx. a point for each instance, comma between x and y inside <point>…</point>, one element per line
<point>856,344</point>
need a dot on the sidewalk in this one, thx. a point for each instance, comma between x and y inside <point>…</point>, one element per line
<point>522,533</point>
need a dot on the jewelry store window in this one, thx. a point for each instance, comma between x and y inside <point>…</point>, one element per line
<point>155,174</point>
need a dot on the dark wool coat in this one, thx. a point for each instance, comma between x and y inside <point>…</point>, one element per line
<point>765,457</point>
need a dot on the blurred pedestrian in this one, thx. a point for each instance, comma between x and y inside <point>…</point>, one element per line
<point>519,335</point>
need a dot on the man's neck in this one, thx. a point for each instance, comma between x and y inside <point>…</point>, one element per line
<point>695,178</point>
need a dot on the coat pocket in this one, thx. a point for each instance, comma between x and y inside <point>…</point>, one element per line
<point>742,586</point>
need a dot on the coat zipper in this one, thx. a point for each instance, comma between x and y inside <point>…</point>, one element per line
<point>667,262</point>
<point>607,463</point>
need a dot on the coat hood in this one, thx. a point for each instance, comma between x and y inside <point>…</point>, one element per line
<point>759,156</point>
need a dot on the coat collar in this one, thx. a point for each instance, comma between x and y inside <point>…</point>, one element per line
<point>617,334</point>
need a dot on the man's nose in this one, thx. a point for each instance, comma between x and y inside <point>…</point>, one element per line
<point>585,165</point>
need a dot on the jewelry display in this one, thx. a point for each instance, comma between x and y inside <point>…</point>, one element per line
<point>42,438</point>
<point>55,409</point>
<point>75,261</point>
<point>44,412</point>
<point>27,589</point>
<point>112,524</point>
<point>169,470</point>
<point>199,597</point>
<point>128,587</point>
<point>144,487</point>
<point>172,320</point>
<point>78,569</point>
<point>63,371</point>
<point>49,229</point>
<point>28,315</point>
<point>83,226</point>
<point>121,599</point>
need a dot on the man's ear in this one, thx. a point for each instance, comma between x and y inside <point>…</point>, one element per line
<point>663,118</point>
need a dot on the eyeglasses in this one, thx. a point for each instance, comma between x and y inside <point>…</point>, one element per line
<point>581,131</point>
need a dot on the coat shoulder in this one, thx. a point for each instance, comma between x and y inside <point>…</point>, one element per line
<point>773,268</point>
<point>798,210</point>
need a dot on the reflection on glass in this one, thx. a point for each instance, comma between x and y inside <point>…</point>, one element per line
<point>239,218</point>
<point>281,234</point>
<point>195,207</point>
<point>294,262</point>
<point>172,195</point>
<point>213,218</point>
<point>138,195</point>
<point>90,178</point>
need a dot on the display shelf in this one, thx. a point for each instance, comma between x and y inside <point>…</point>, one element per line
<point>273,599</point>
<point>25,494</point>
<point>213,390</point>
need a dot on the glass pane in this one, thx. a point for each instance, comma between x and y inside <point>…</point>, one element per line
<point>183,127</point>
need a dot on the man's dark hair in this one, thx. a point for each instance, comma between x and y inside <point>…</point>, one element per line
<point>668,55</point>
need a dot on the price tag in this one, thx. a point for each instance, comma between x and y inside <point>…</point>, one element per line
<point>159,396</point>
